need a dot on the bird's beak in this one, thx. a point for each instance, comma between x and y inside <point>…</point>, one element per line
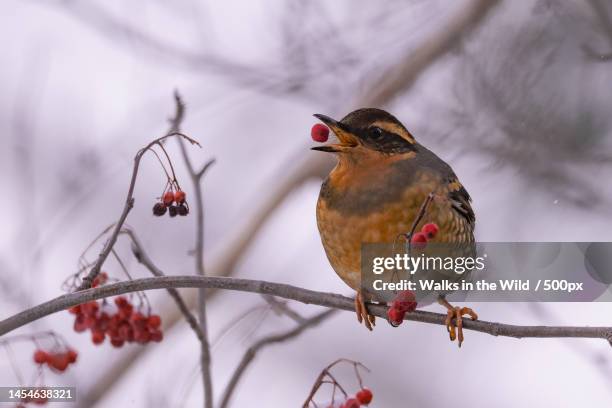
<point>343,132</point>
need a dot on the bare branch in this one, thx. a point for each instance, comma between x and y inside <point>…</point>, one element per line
<point>600,10</point>
<point>252,351</point>
<point>204,168</point>
<point>330,300</point>
<point>129,201</point>
<point>281,308</point>
<point>142,257</point>
<point>196,179</point>
<point>403,74</point>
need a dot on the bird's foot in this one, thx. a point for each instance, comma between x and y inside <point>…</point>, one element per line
<point>362,312</point>
<point>454,319</point>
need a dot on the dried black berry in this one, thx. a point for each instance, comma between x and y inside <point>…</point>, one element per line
<point>172,210</point>
<point>159,209</point>
<point>182,210</point>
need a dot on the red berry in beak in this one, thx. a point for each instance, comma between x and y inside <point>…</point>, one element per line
<point>319,133</point>
<point>430,230</point>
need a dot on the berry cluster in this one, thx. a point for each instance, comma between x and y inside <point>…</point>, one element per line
<point>319,133</point>
<point>173,202</point>
<point>57,361</point>
<point>404,302</point>
<point>124,325</point>
<point>363,397</point>
<point>419,239</point>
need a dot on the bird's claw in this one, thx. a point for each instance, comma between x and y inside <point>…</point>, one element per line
<point>454,320</point>
<point>363,316</point>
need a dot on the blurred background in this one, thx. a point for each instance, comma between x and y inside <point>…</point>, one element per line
<point>514,95</point>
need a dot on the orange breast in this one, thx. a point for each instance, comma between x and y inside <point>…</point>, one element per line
<point>343,231</point>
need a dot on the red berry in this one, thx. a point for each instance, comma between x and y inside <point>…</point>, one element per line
<point>40,357</point>
<point>138,317</point>
<point>117,342</point>
<point>58,361</point>
<point>125,311</point>
<point>364,396</point>
<point>79,324</point>
<point>72,355</point>
<point>319,133</point>
<point>157,336</point>
<point>125,332</point>
<point>75,309</point>
<point>418,241</point>
<point>404,301</point>
<point>154,321</point>
<point>430,230</point>
<point>179,196</point>
<point>121,301</point>
<point>168,198</point>
<point>90,308</point>
<point>396,316</point>
<point>351,403</point>
<point>102,322</point>
<point>142,336</point>
<point>97,336</point>
<point>89,321</point>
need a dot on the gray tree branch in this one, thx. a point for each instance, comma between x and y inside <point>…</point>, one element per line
<point>252,351</point>
<point>330,300</point>
<point>196,180</point>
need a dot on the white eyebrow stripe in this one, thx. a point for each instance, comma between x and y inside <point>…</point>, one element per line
<point>394,128</point>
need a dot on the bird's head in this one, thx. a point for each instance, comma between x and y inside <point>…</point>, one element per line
<point>367,134</point>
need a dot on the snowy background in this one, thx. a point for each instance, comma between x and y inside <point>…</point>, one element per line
<point>520,107</point>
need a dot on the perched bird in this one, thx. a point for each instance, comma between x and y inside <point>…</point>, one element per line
<point>375,192</point>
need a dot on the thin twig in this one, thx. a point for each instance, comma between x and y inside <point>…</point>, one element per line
<point>281,308</point>
<point>326,372</point>
<point>392,81</point>
<point>252,351</point>
<point>142,257</point>
<point>600,10</point>
<point>196,179</point>
<point>330,300</point>
<point>129,201</point>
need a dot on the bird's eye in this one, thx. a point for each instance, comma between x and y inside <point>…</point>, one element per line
<point>376,132</point>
